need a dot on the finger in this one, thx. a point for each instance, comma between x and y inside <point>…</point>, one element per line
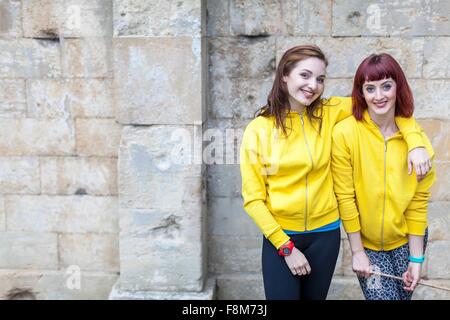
<point>308,269</point>
<point>413,284</point>
<point>293,271</point>
<point>418,171</point>
<point>409,167</point>
<point>424,168</point>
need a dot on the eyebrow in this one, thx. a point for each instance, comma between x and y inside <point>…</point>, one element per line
<point>322,75</point>
<point>371,84</point>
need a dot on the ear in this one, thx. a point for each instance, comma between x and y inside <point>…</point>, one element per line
<point>284,79</point>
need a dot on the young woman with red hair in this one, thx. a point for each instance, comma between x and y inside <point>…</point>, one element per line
<point>382,207</point>
<point>287,184</point>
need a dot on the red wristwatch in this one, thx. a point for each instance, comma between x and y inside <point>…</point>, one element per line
<point>286,249</point>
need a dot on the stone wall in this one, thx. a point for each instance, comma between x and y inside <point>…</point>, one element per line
<point>246,40</point>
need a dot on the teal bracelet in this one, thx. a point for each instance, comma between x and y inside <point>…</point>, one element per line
<point>417,260</point>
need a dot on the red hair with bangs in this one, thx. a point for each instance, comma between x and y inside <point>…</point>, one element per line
<point>377,67</point>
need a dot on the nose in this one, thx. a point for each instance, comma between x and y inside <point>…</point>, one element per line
<point>378,94</point>
<point>313,84</point>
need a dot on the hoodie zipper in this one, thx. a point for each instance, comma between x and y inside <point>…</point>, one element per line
<point>384,200</point>
<point>312,165</point>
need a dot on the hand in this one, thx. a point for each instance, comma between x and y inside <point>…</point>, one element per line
<point>361,264</point>
<point>420,160</point>
<point>297,263</point>
<point>412,276</point>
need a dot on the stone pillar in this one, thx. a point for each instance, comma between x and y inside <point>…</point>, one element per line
<point>160,65</point>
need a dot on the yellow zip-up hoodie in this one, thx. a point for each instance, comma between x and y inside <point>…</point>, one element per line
<point>376,195</point>
<point>286,181</point>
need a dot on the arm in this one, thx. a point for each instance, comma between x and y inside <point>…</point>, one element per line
<point>342,170</point>
<point>254,177</point>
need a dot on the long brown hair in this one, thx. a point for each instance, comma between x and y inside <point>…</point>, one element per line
<point>277,102</point>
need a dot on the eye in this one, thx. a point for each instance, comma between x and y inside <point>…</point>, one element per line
<point>304,75</point>
<point>387,87</point>
<point>320,80</point>
<point>370,89</point>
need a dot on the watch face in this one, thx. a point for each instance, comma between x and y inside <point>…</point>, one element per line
<point>286,251</point>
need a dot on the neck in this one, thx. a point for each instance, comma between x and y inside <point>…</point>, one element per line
<point>295,106</point>
<point>385,122</point>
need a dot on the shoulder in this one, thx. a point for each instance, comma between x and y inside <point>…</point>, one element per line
<point>335,101</point>
<point>346,127</point>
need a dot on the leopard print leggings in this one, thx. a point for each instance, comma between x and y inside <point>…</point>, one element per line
<point>394,262</point>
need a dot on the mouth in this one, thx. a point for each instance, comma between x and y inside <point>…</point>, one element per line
<point>381,104</point>
<point>308,94</point>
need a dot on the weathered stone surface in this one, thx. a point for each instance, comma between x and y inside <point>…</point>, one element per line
<point>428,293</point>
<point>428,98</point>
<point>345,54</point>
<point>31,137</point>
<point>218,18</point>
<point>12,98</point>
<point>158,97</point>
<point>347,259</point>
<point>90,252</point>
<point>440,190</point>
<point>28,250</point>
<point>56,285</point>
<point>242,57</point>
<point>10,18</point>
<point>438,220</point>
<point>224,180</point>
<point>228,218</point>
<point>79,175</point>
<point>240,286</point>
<point>146,237</point>
<point>80,98</point>
<point>438,262</point>
<point>65,214</point>
<point>223,257</point>
<point>19,175</point>
<point>398,18</point>
<point>436,64</point>
<point>339,270</point>
<point>438,132</point>
<point>2,215</point>
<point>338,87</point>
<point>88,57</point>
<point>238,97</point>
<point>345,288</point>
<point>209,292</point>
<point>157,18</point>
<point>66,18</point>
<point>98,137</point>
<point>314,17</point>
<point>160,167</point>
<point>27,58</point>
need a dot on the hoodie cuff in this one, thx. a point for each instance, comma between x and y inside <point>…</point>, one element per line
<point>352,225</point>
<point>416,228</point>
<point>278,238</point>
<point>414,140</point>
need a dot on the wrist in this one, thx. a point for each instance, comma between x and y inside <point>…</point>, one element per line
<point>286,249</point>
<point>419,259</point>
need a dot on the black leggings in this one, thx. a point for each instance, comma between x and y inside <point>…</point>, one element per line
<point>321,249</point>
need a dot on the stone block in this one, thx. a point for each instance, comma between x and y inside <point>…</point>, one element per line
<point>218,18</point>
<point>67,18</point>
<point>79,175</point>
<point>345,288</point>
<point>19,175</point>
<point>228,218</point>
<point>339,269</point>
<point>12,98</point>
<point>436,64</point>
<point>29,58</point>
<point>338,87</point>
<point>158,97</point>
<point>98,137</point>
<point>233,57</point>
<point>240,286</point>
<point>393,18</point>
<point>224,180</point>
<point>347,259</point>
<point>427,98</point>
<point>438,220</point>
<point>438,131</point>
<point>438,262</point>
<point>163,172</point>
<point>238,97</point>
<point>345,54</point>
<point>32,137</point>
<point>157,18</point>
<point>75,98</point>
<point>146,237</point>
<point>28,250</point>
<point>315,18</point>
<point>224,258</point>
<point>2,215</point>
<point>429,293</point>
<point>55,285</point>
<point>63,214</point>
<point>89,251</point>
<point>87,58</point>
<point>440,190</point>
<point>10,19</point>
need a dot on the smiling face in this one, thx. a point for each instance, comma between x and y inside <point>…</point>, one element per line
<point>380,96</point>
<point>305,83</point>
